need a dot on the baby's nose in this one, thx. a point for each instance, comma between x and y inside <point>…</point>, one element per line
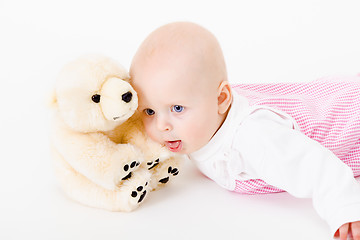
<point>126,97</point>
<point>163,124</point>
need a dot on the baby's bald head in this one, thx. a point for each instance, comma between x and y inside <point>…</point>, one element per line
<point>186,45</point>
<point>180,76</point>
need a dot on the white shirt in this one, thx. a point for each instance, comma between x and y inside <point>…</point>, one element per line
<point>259,142</point>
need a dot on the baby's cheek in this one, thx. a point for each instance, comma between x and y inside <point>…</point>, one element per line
<point>202,133</point>
<point>150,131</point>
<point>194,134</point>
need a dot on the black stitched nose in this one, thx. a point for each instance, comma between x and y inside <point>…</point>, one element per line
<point>126,97</point>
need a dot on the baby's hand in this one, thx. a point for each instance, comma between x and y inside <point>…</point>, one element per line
<point>343,231</point>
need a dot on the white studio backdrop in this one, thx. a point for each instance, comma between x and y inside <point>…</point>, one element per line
<point>263,41</point>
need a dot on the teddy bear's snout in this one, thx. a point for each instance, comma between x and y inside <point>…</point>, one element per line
<point>126,97</point>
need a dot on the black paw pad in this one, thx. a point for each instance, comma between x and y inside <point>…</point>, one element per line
<point>173,171</point>
<point>139,189</point>
<point>164,180</point>
<point>128,167</point>
<point>153,164</point>
<point>127,176</point>
<point>142,197</point>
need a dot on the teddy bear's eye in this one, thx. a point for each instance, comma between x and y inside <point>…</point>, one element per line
<point>95,98</point>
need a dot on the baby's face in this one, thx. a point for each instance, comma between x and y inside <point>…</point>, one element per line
<point>177,111</point>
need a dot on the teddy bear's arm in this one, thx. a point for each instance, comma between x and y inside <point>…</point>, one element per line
<point>133,132</point>
<point>95,156</point>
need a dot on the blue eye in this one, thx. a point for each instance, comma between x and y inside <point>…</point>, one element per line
<point>177,108</point>
<point>149,112</point>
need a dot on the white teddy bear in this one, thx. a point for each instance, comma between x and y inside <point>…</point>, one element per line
<point>102,155</point>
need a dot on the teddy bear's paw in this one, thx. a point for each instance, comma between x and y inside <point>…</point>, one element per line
<point>139,193</point>
<point>128,168</point>
<point>134,191</point>
<point>171,171</point>
<point>152,164</point>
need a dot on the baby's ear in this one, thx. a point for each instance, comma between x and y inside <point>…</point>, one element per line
<point>51,99</point>
<point>224,97</point>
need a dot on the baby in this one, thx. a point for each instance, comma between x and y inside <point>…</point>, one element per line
<point>294,137</point>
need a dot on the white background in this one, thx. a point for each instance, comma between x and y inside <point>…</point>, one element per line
<point>263,41</point>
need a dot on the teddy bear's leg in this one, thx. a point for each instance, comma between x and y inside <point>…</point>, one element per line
<point>164,171</point>
<point>126,197</point>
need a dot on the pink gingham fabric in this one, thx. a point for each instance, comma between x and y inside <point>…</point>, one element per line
<point>326,110</point>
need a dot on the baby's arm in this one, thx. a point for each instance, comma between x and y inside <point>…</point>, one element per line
<point>289,160</point>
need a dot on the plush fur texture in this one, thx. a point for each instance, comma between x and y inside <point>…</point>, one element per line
<point>102,156</point>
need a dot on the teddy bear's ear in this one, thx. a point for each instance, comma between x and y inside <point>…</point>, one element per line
<point>51,100</point>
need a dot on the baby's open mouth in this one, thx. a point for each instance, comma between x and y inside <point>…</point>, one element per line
<point>174,146</point>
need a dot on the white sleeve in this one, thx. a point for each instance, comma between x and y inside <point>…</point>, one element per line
<point>287,159</point>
